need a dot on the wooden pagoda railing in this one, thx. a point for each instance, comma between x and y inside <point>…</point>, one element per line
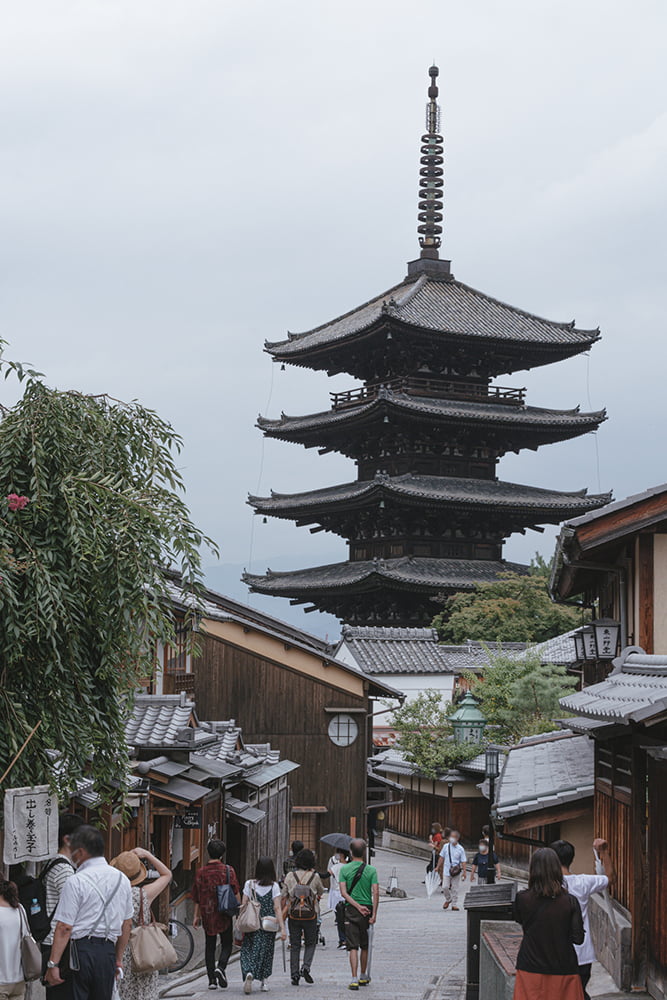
<point>433,388</point>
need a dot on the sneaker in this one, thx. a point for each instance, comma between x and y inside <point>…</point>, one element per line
<point>354,985</point>
<point>307,976</point>
<point>295,980</point>
<point>364,980</point>
<point>341,944</point>
<point>221,978</point>
<point>247,983</point>
<point>264,987</point>
<point>212,986</point>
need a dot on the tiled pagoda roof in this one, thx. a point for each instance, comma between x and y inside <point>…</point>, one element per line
<point>546,424</point>
<point>406,573</point>
<point>441,306</point>
<point>472,494</point>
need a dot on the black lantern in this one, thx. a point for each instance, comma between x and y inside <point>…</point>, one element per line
<point>588,637</point>
<point>580,652</point>
<point>491,762</point>
<point>606,632</point>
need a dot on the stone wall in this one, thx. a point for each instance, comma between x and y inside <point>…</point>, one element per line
<point>499,945</point>
<point>612,939</point>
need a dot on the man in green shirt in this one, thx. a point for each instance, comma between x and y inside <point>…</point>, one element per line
<point>360,890</point>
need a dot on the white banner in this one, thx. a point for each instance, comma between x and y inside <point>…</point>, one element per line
<point>31,824</point>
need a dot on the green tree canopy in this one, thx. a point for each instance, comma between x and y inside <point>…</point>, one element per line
<point>425,735</point>
<point>520,697</point>
<point>93,513</point>
<point>512,609</point>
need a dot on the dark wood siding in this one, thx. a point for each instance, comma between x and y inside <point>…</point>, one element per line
<point>657,852</point>
<point>413,817</point>
<point>275,704</point>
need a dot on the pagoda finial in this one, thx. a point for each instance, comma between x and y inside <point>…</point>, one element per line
<point>431,176</point>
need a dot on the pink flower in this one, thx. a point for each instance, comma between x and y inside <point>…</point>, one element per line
<point>15,502</point>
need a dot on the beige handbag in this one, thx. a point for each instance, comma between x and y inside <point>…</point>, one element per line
<point>31,953</point>
<point>150,948</point>
<point>248,920</point>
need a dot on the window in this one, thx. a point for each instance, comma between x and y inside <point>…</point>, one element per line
<point>343,730</point>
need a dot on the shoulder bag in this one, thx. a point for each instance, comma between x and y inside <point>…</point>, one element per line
<point>227,901</point>
<point>340,907</point>
<point>31,953</point>
<point>150,948</point>
<point>248,920</point>
<point>454,870</point>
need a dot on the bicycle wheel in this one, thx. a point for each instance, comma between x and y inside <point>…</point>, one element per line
<point>183,943</point>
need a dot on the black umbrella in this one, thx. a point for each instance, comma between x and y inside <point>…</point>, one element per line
<point>339,841</point>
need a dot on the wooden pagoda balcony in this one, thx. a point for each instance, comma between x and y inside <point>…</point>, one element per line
<point>433,388</point>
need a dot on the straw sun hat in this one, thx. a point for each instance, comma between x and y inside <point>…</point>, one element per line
<point>129,864</point>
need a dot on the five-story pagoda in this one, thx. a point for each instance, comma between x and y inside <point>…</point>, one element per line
<point>426,514</point>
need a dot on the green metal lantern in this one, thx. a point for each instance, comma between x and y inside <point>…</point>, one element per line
<point>468,721</point>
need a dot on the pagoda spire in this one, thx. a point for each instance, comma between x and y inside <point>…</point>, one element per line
<point>431,176</point>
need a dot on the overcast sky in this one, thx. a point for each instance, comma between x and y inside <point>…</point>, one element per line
<point>182,179</point>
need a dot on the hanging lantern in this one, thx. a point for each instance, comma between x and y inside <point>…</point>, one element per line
<point>588,637</point>
<point>579,650</point>
<point>606,632</point>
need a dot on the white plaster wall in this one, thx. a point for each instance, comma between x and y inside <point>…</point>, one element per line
<point>660,593</point>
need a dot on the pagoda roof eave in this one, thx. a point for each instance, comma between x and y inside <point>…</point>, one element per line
<point>406,573</point>
<point>447,309</point>
<point>444,493</point>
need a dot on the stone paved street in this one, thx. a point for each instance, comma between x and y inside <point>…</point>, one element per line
<point>419,952</point>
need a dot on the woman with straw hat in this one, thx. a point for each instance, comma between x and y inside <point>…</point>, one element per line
<point>140,985</point>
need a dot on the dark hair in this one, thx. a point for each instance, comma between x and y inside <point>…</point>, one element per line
<point>67,824</point>
<point>436,827</point>
<point>486,830</point>
<point>216,849</point>
<point>545,877</point>
<point>89,839</point>
<point>297,845</point>
<point>565,851</point>
<point>446,832</point>
<point>305,860</point>
<point>265,871</point>
<point>9,892</point>
<point>358,848</point>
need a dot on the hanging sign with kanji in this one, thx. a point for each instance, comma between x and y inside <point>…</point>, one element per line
<point>31,824</point>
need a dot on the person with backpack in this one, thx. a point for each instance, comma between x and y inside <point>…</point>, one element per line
<point>302,891</point>
<point>360,889</point>
<point>53,877</point>
<point>93,916</point>
<point>289,864</point>
<point>258,946</point>
<point>216,924</point>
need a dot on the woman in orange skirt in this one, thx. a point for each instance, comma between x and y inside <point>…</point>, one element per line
<point>551,918</point>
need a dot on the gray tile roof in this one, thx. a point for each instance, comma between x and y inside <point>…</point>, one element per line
<point>559,650</point>
<point>635,691</point>
<point>544,772</point>
<point>392,761</point>
<point>457,412</point>
<point>159,720</point>
<point>406,572</point>
<point>439,490</point>
<point>447,306</point>
<point>243,811</point>
<point>380,650</point>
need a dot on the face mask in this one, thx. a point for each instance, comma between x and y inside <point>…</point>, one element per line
<point>483,848</point>
<point>453,840</point>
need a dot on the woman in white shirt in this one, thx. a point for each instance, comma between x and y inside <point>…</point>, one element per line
<point>336,862</point>
<point>257,948</point>
<point>13,924</point>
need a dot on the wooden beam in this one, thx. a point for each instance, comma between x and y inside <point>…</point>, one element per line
<point>621,523</point>
<point>645,575</point>
<point>544,817</point>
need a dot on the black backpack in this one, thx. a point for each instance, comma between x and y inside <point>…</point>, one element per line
<point>32,896</point>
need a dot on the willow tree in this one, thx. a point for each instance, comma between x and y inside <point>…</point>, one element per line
<point>91,513</point>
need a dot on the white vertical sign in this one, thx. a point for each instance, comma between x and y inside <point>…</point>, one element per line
<point>31,824</point>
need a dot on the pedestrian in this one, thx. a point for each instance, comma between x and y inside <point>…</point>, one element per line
<point>452,866</point>
<point>13,925</point>
<point>216,925</point>
<point>482,862</point>
<point>360,889</point>
<point>302,891</point>
<point>54,875</point>
<point>257,948</point>
<point>289,864</point>
<point>583,887</point>
<point>94,915</point>
<point>547,966</point>
<point>140,985</point>
<point>435,843</point>
<point>336,862</point>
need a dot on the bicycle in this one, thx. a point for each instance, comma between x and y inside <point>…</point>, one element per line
<point>181,938</point>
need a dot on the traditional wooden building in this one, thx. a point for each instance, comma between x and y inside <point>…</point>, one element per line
<point>617,561</point>
<point>426,514</point>
<point>291,691</point>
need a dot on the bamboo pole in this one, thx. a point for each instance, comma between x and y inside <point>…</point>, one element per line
<point>17,756</point>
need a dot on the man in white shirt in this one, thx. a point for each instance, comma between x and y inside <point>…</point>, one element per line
<point>94,913</point>
<point>583,887</point>
<point>452,867</point>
